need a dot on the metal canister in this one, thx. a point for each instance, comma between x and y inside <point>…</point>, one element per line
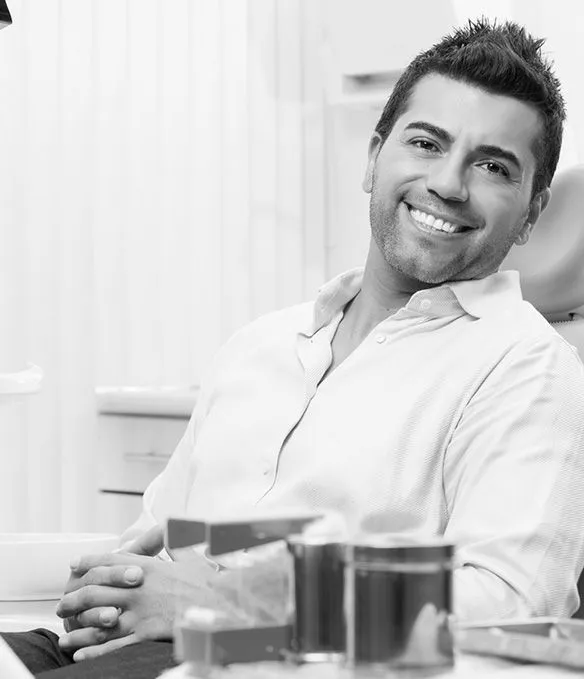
<point>399,603</point>
<point>318,625</point>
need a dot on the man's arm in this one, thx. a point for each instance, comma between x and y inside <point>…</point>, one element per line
<point>168,493</point>
<point>514,480</point>
<point>101,628</point>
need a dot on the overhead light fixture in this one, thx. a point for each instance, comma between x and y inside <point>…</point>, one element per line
<point>5,18</point>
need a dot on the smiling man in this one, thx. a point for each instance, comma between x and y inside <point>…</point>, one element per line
<point>420,394</point>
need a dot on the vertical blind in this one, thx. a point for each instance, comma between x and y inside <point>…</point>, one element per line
<point>161,183</point>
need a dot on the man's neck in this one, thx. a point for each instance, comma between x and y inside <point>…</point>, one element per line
<point>383,292</point>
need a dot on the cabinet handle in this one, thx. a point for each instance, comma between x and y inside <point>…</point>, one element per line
<point>146,457</point>
<point>115,491</point>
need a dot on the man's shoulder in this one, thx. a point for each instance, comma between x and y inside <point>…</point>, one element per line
<point>530,327</point>
<point>269,328</point>
<point>260,337</point>
<point>297,317</point>
<point>528,320</point>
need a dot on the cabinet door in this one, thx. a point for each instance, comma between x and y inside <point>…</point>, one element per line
<point>134,449</point>
<point>117,511</point>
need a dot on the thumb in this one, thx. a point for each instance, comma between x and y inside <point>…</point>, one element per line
<point>149,543</point>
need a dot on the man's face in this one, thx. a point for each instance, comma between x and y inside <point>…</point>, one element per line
<point>451,186</point>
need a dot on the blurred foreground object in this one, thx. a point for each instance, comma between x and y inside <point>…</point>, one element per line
<point>306,592</point>
<point>553,641</point>
<point>5,18</point>
<point>258,628</point>
<point>399,603</point>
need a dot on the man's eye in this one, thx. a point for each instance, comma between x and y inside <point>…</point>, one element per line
<point>424,144</point>
<point>495,168</point>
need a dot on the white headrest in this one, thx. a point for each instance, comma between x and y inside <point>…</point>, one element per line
<point>551,264</point>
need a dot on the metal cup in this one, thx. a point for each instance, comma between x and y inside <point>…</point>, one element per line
<point>318,625</point>
<point>398,604</point>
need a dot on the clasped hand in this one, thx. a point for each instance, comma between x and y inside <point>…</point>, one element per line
<point>116,599</point>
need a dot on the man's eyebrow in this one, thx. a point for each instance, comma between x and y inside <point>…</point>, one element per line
<point>439,132</point>
<point>484,149</point>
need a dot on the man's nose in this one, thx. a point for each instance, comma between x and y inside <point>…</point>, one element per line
<point>447,178</point>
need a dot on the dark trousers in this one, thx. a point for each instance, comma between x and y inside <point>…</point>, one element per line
<point>39,651</point>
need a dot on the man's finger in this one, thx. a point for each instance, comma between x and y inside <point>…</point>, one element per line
<point>112,576</point>
<point>80,565</point>
<point>84,636</point>
<point>107,647</point>
<point>148,544</point>
<point>92,636</point>
<point>102,616</point>
<point>92,596</point>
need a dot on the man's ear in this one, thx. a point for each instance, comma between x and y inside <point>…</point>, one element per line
<point>537,206</point>
<point>375,144</point>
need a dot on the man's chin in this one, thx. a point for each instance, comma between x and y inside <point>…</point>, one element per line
<point>412,269</point>
<point>423,276</point>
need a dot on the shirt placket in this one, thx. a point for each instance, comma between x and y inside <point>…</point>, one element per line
<point>315,355</point>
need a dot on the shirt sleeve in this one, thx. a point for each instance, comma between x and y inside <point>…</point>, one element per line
<point>514,481</point>
<point>167,495</point>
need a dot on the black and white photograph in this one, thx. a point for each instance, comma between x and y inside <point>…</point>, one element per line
<point>291,339</point>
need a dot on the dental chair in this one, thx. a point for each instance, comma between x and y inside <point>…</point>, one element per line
<point>551,267</point>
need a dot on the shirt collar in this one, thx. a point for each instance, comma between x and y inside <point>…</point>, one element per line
<point>487,296</point>
<point>479,298</point>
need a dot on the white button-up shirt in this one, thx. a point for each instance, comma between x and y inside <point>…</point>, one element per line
<point>462,414</point>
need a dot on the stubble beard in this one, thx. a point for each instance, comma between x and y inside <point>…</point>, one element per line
<point>385,232</point>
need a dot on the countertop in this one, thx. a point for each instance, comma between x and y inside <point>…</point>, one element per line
<point>467,667</point>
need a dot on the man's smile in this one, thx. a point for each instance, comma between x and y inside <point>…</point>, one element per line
<point>435,224</point>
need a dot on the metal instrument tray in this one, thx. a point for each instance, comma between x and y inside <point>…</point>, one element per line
<point>553,641</point>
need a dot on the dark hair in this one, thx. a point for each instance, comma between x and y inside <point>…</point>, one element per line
<point>501,59</point>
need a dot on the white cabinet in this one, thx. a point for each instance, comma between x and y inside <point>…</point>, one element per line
<point>138,430</point>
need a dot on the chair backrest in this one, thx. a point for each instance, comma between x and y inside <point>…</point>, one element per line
<point>551,264</point>
<point>551,267</point>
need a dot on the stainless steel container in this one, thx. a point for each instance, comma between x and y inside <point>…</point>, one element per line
<point>398,604</point>
<point>318,625</point>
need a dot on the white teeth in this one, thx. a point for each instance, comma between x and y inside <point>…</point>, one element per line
<point>438,224</point>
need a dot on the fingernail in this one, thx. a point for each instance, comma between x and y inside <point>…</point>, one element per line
<point>63,640</point>
<point>77,657</point>
<point>133,574</point>
<point>74,563</point>
<point>107,618</point>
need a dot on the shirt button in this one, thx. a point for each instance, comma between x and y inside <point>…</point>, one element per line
<point>425,304</point>
<point>380,339</point>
